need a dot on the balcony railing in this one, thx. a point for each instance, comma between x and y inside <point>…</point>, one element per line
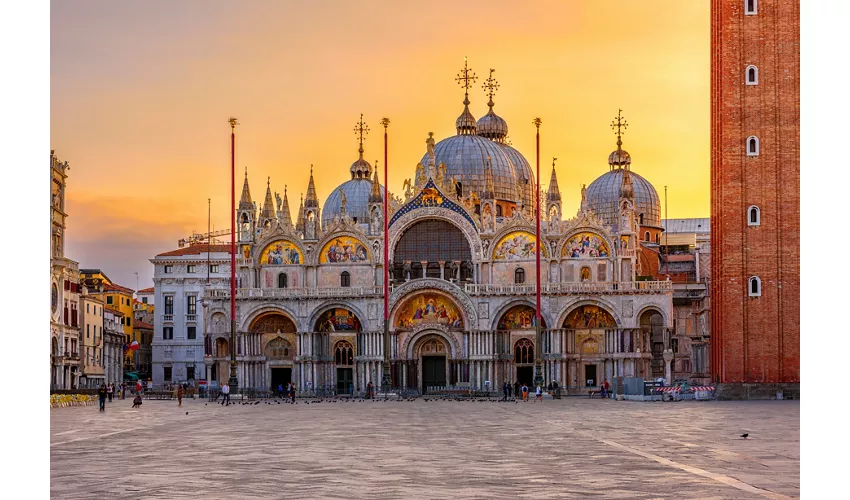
<point>301,292</point>
<point>191,318</point>
<point>168,318</point>
<point>583,287</point>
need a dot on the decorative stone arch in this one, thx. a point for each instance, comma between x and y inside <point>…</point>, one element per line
<point>654,308</point>
<point>406,221</point>
<point>513,303</point>
<point>517,224</point>
<point>314,257</point>
<point>279,348</point>
<point>264,309</point>
<point>319,311</point>
<point>268,239</point>
<point>455,293</point>
<point>415,338</point>
<point>523,350</point>
<point>562,242</point>
<point>599,302</point>
<point>218,324</point>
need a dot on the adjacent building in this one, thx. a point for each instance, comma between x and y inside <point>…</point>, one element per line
<point>91,340</point>
<point>114,343</point>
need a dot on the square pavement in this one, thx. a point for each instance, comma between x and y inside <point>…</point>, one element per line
<point>570,448</point>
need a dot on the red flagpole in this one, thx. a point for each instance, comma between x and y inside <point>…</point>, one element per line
<point>234,381</point>
<point>538,362</point>
<point>386,381</point>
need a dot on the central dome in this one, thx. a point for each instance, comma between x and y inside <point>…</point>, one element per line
<point>356,201</point>
<point>465,157</point>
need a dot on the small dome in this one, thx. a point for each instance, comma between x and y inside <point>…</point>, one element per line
<point>361,169</point>
<point>603,197</point>
<point>492,126</point>
<point>465,123</point>
<point>619,158</point>
<point>357,193</point>
<point>465,157</point>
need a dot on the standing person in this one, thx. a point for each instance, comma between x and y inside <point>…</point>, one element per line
<point>109,390</point>
<point>225,394</point>
<point>505,388</point>
<point>510,389</point>
<point>150,385</point>
<point>101,397</point>
<point>605,388</point>
<point>180,395</point>
<point>539,394</point>
<point>525,393</point>
<point>280,390</point>
<point>516,389</point>
<point>138,386</point>
<point>292,393</point>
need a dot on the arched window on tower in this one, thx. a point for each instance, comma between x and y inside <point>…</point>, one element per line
<point>282,280</point>
<point>498,210</point>
<point>519,275</point>
<point>755,287</point>
<point>751,7</point>
<point>752,75</point>
<point>753,216</point>
<point>345,279</point>
<point>640,219</point>
<point>646,236</point>
<point>753,148</point>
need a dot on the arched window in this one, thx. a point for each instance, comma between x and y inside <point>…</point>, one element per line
<point>343,353</point>
<point>752,146</point>
<point>345,279</point>
<point>751,7</point>
<point>282,280</point>
<point>519,275</point>
<point>640,218</point>
<point>498,210</point>
<point>523,352</point>
<point>753,216</point>
<point>646,236</point>
<point>752,75</point>
<point>755,287</point>
<point>658,238</point>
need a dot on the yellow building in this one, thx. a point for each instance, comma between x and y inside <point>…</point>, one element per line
<point>114,296</point>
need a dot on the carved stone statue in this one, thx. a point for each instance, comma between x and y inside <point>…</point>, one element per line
<point>279,201</point>
<point>408,189</point>
<point>420,175</point>
<point>407,270</point>
<point>342,200</point>
<point>429,142</point>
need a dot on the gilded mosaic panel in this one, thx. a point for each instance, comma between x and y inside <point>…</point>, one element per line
<point>343,249</point>
<point>281,252</point>
<point>517,245</point>
<point>584,245</point>
<point>428,308</point>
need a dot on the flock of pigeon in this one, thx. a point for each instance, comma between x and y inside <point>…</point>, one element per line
<point>332,400</point>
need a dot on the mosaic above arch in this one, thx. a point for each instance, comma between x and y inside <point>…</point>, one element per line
<point>585,245</point>
<point>273,322</point>
<point>517,245</point>
<point>281,252</point>
<point>588,316</point>
<point>336,320</point>
<point>344,249</point>
<point>428,308</point>
<point>521,317</point>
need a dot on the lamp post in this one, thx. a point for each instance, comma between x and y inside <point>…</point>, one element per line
<point>233,382</point>
<point>538,351</point>
<point>385,379</point>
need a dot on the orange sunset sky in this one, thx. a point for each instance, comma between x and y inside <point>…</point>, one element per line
<point>141,93</point>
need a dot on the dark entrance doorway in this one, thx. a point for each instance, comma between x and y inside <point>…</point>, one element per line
<point>281,376</point>
<point>590,375</point>
<point>344,380</point>
<point>525,375</point>
<point>433,372</point>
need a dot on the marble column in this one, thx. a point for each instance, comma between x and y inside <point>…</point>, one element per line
<point>668,372</point>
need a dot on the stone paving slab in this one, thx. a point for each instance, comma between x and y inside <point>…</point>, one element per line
<point>567,448</point>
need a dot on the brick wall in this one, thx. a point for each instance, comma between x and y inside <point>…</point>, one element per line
<point>755,339</point>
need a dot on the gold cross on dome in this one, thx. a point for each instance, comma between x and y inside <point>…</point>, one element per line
<point>619,124</point>
<point>468,77</point>
<point>361,129</point>
<point>491,85</point>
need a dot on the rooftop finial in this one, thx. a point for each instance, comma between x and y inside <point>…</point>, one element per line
<point>620,125</point>
<point>465,123</point>
<point>491,85</point>
<point>360,130</point>
<point>233,123</point>
<point>466,80</point>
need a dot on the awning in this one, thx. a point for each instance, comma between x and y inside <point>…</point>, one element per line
<point>131,375</point>
<point>678,239</point>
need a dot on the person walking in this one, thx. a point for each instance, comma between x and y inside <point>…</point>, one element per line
<point>292,393</point>
<point>109,390</point>
<point>510,389</point>
<point>180,395</point>
<point>101,397</point>
<point>538,394</point>
<point>280,390</point>
<point>505,388</point>
<point>516,389</point>
<point>605,388</point>
<point>225,394</point>
<point>138,386</point>
<point>525,393</point>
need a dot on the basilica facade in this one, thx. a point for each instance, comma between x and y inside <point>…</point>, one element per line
<point>462,267</point>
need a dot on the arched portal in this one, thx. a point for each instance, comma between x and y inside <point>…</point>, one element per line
<point>524,361</point>
<point>652,326</point>
<point>338,319</point>
<point>344,363</point>
<point>432,241</point>
<point>432,355</point>
<point>590,323</point>
<point>519,317</point>
<point>273,322</point>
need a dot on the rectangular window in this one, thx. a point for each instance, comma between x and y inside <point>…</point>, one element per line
<point>169,304</point>
<point>214,268</point>
<point>675,345</point>
<point>167,333</point>
<point>109,299</point>
<point>190,332</point>
<point>191,304</point>
<point>752,7</point>
<point>144,300</point>
<point>190,268</point>
<point>87,329</point>
<point>167,269</point>
<point>166,373</point>
<point>190,373</point>
<point>87,308</point>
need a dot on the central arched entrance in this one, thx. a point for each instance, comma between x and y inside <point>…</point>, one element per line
<point>432,352</point>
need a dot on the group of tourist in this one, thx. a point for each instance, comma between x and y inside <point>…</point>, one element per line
<point>520,390</point>
<point>290,391</point>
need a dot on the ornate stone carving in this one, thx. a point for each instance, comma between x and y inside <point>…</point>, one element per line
<point>483,310</point>
<point>628,309</point>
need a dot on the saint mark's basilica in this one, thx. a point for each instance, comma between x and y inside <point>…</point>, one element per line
<point>310,300</point>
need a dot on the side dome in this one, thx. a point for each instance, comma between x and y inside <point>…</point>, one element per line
<point>524,174</point>
<point>603,197</point>
<point>465,157</point>
<point>356,201</point>
<point>492,126</point>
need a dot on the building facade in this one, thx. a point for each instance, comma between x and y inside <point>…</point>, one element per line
<point>462,248</point>
<point>64,289</point>
<point>113,347</point>
<point>755,198</point>
<point>180,280</point>
<point>91,340</point>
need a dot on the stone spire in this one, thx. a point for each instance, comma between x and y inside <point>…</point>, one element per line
<point>245,202</point>
<point>626,189</point>
<point>554,192</point>
<point>489,191</point>
<point>268,205</point>
<point>285,216</point>
<point>375,195</point>
<point>300,224</point>
<point>312,199</point>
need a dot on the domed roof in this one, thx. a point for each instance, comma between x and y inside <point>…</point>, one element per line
<point>465,157</point>
<point>603,197</point>
<point>524,174</point>
<point>492,126</point>
<point>361,169</point>
<point>619,158</point>
<point>356,201</point>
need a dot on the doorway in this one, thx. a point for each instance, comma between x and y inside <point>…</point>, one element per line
<point>590,375</point>
<point>525,375</point>
<point>281,376</point>
<point>344,380</point>
<point>433,372</point>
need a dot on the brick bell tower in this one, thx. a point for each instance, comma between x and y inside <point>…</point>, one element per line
<point>755,195</point>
